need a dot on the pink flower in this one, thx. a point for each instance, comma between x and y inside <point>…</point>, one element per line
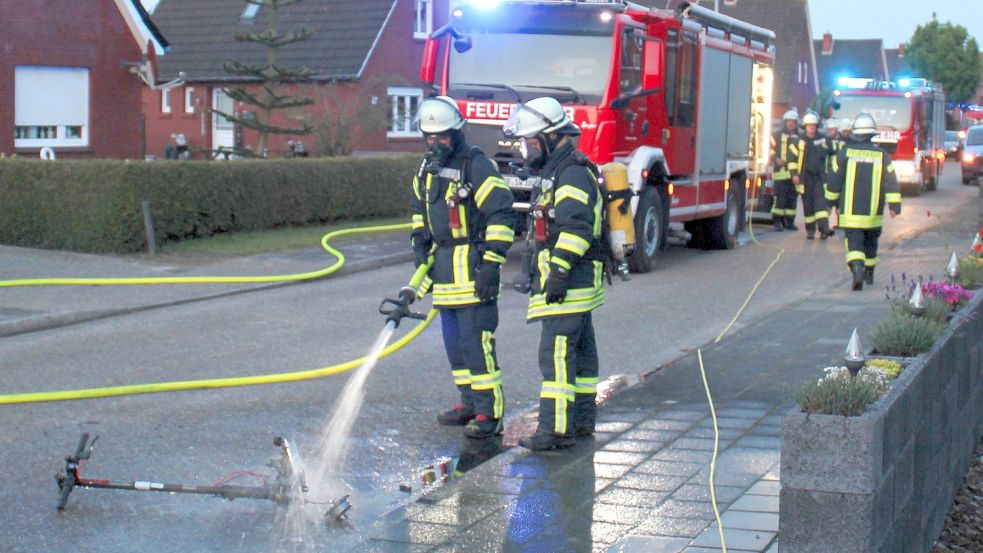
<point>953,294</point>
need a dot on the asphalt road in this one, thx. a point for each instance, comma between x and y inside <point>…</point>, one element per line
<point>200,436</point>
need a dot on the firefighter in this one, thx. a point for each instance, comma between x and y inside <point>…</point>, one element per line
<point>809,181</point>
<point>463,224</point>
<point>862,181</point>
<point>846,129</point>
<point>567,270</point>
<point>784,157</point>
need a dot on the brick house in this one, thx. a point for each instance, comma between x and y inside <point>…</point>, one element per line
<point>796,79</point>
<point>365,57</point>
<point>862,58</point>
<point>65,78</point>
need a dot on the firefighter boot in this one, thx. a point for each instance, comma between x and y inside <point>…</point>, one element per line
<point>857,268</point>
<point>779,225</point>
<point>868,275</point>
<point>459,415</point>
<point>790,223</point>
<point>483,426</point>
<point>545,441</point>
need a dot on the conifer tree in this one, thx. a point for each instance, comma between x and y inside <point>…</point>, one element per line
<point>270,75</point>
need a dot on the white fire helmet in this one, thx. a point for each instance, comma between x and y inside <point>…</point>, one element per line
<point>439,114</point>
<point>539,115</point>
<point>864,125</point>
<point>791,114</point>
<point>831,124</point>
<point>846,125</point>
<point>810,119</point>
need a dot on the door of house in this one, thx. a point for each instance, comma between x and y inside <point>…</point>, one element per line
<point>222,129</point>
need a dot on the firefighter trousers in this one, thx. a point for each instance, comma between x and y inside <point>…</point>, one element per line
<point>468,340</point>
<point>814,204</point>
<point>861,245</point>
<point>783,210</point>
<point>568,361</point>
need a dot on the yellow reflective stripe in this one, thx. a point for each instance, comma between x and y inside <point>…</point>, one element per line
<point>822,215</point>
<point>462,216</point>
<point>851,175</point>
<point>587,385</point>
<point>543,262</point>
<point>577,301</point>
<point>486,381</point>
<point>875,189</point>
<point>572,243</point>
<point>560,379</point>
<point>861,221</point>
<point>810,219</point>
<point>893,197</point>
<point>502,233</point>
<point>416,188</point>
<point>493,257</point>
<point>855,256</point>
<point>417,221</point>
<point>461,275</point>
<point>561,262</point>
<point>462,377</point>
<point>572,192</point>
<point>831,196</point>
<point>836,164</point>
<point>485,190</point>
<point>426,205</point>
<point>872,261</point>
<point>598,205</point>
<point>890,167</point>
<point>488,348</point>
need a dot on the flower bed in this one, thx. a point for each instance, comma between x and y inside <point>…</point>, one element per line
<point>884,480</point>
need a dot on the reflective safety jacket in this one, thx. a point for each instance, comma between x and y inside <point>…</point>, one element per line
<point>784,155</point>
<point>812,155</point>
<point>833,146</point>
<point>862,181</point>
<point>461,229</point>
<point>570,198</point>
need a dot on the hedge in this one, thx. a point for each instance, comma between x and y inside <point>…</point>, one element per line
<point>96,206</point>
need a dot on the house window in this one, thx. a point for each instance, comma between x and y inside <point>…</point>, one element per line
<point>803,72</point>
<point>423,18</point>
<point>403,106</point>
<point>189,100</point>
<point>51,106</point>
<point>165,101</point>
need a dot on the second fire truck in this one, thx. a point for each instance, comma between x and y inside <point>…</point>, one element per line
<point>682,98</point>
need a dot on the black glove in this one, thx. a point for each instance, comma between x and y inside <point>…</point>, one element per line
<point>421,248</point>
<point>488,281</point>
<point>556,284</point>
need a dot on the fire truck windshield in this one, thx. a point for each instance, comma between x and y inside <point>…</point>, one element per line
<point>535,64</point>
<point>893,112</point>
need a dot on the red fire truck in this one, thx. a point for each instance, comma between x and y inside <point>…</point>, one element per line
<point>682,98</point>
<point>910,117</point>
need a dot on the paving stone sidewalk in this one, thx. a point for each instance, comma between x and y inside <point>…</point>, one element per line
<point>641,485</point>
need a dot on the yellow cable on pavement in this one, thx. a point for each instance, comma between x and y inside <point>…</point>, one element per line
<point>276,378</point>
<point>74,281</point>
<point>706,385</point>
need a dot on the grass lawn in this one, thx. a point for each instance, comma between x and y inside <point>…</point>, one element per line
<point>256,242</point>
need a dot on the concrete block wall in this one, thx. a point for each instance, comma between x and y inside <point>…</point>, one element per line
<point>884,482</point>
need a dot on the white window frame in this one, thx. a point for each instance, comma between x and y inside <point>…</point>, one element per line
<point>165,100</point>
<point>189,100</point>
<point>403,94</point>
<point>422,18</point>
<point>59,129</point>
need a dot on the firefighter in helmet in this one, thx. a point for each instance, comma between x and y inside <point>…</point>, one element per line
<point>863,180</point>
<point>567,270</point>
<point>785,159</point>
<point>463,224</point>
<point>846,129</point>
<point>809,182</point>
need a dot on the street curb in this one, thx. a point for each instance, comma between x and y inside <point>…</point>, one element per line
<point>58,320</point>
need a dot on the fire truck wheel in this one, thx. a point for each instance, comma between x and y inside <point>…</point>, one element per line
<point>721,232</point>
<point>650,232</point>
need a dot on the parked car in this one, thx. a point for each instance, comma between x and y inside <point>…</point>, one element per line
<point>971,160</point>
<point>952,145</point>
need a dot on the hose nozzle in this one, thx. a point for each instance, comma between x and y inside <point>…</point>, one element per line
<point>400,307</point>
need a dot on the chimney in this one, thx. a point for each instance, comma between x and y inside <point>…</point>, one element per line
<point>827,44</point>
<point>901,50</point>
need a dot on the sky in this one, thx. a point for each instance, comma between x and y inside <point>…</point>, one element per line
<point>891,20</point>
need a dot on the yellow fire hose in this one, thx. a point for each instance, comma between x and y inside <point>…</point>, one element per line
<point>275,378</point>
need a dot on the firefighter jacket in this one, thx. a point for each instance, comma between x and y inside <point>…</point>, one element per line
<point>462,216</point>
<point>833,146</point>
<point>862,181</point>
<point>812,156</point>
<point>784,155</point>
<point>571,202</point>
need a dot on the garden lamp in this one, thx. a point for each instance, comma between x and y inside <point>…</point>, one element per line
<point>854,358</point>
<point>952,270</point>
<point>916,305</point>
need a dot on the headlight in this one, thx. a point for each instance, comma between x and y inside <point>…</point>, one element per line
<point>968,157</point>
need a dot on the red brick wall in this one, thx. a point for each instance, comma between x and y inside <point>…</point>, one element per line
<point>69,33</point>
<point>394,62</point>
